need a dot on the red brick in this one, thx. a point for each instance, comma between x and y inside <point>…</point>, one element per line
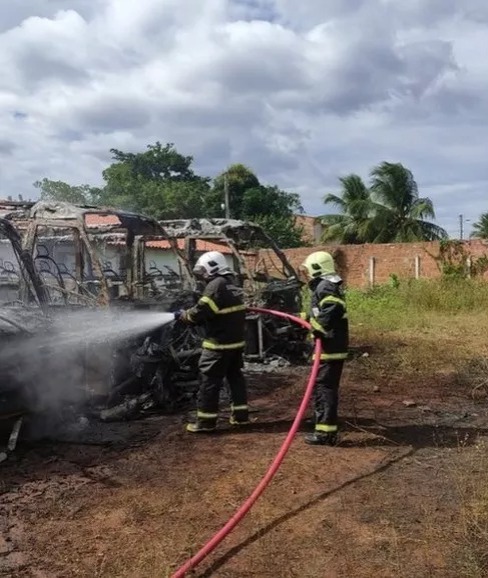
<point>392,259</point>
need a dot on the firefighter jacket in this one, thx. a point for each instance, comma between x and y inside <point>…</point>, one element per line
<point>222,313</point>
<point>328,317</point>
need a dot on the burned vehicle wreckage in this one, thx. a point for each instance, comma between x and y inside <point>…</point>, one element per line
<point>75,259</point>
<point>23,303</point>
<point>90,258</point>
<point>50,281</point>
<point>274,286</point>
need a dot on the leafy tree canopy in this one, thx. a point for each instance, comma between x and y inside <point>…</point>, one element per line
<point>389,210</point>
<point>60,191</point>
<point>160,182</point>
<point>268,206</point>
<point>480,228</point>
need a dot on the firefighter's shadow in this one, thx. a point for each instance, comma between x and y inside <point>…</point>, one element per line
<point>404,440</point>
<point>368,432</point>
<point>364,432</point>
<point>396,457</point>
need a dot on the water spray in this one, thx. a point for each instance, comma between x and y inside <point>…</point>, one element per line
<point>47,364</point>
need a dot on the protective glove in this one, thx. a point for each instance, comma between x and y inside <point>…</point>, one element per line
<point>317,334</point>
<point>179,315</point>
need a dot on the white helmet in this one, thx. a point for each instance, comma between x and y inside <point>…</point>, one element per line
<point>211,264</point>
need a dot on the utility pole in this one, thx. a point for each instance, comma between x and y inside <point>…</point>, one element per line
<point>226,197</point>
<point>462,221</point>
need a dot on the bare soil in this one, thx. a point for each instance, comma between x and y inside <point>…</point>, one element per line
<point>137,499</point>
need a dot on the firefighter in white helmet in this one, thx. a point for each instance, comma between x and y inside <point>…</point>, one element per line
<point>222,312</point>
<point>328,317</point>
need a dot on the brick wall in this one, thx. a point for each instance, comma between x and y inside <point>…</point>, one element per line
<point>406,260</point>
<point>312,228</point>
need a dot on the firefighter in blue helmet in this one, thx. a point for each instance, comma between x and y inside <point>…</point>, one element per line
<point>328,317</point>
<point>222,313</point>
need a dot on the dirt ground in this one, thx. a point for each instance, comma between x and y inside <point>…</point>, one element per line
<point>139,498</point>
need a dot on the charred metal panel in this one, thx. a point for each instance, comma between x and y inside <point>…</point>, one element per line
<point>265,336</point>
<point>117,368</point>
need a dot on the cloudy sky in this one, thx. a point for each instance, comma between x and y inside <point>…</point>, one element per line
<point>301,91</point>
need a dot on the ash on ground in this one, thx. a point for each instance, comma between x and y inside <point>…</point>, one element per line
<point>273,364</point>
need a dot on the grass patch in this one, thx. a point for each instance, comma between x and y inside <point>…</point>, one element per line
<point>433,334</point>
<point>412,304</point>
<point>422,328</point>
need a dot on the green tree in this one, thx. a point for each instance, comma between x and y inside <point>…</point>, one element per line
<point>480,228</point>
<point>161,182</point>
<point>61,191</point>
<point>270,201</point>
<point>267,206</point>
<point>239,179</point>
<point>282,230</point>
<point>399,213</point>
<point>158,182</point>
<point>389,210</point>
<point>353,224</point>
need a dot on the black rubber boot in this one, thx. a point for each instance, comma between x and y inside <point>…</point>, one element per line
<point>242,419</point>
<point>321,439</point>
<point>239,415</point>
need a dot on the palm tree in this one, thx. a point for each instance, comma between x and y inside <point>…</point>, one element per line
<point>480,228</point>
<point>352,225</point>
<point>389,211</point>
<point>400,214</point>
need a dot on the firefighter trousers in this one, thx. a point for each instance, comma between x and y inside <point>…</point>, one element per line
<point>215,366</point>
<point>326,395</point>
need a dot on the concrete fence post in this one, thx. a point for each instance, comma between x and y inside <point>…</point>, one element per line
<point>468,266</point>
<point>417,266</point>
<point>372,263</point>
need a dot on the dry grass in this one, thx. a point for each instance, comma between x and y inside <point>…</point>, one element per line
<point>424,330</point>
<point>421,327</point>
<point>474,375</point>
<point>470,475</point>
<point>435,332</point>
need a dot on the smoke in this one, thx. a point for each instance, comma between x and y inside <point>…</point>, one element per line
<point>56,364</point>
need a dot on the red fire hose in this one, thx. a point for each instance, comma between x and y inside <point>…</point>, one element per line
<point>247,505</point>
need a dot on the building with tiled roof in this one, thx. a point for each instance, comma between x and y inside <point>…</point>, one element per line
<point>92,220</point>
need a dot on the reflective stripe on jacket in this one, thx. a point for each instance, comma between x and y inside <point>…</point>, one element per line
<point>222,313</point>
<point>328,317</point>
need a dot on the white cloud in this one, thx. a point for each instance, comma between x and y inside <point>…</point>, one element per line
<point>301,91</point>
